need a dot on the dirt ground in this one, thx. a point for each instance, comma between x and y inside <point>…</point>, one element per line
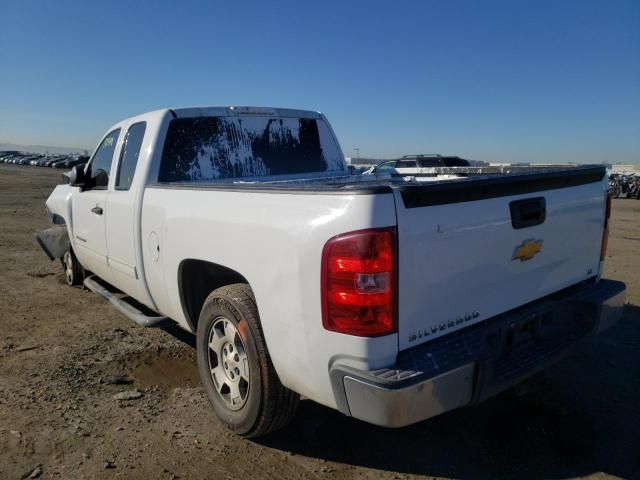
<point>65,353</point>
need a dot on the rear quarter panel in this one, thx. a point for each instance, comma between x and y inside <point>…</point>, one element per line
<point>275,241</point>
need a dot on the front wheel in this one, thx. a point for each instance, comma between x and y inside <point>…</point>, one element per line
<point>73,272</point>
<point>235,367</point>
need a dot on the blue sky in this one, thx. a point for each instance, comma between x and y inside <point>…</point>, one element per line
<point>490,80</point>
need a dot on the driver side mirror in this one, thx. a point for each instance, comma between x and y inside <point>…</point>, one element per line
<point>77,177</point>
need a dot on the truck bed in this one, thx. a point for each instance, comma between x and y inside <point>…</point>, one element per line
<point>520,178</point>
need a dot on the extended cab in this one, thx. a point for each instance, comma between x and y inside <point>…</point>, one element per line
<point>388,299</point>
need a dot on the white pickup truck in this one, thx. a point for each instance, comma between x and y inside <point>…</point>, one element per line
<point>388,299</point>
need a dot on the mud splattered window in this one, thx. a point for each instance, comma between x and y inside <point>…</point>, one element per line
<point>212,148</point>
<point>129,155</point>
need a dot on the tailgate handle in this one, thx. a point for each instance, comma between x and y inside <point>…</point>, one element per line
<point>528,212</point>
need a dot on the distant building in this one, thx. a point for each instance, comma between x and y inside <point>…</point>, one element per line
<point>625,167</point>
<point>532,164</point>
<point>509,164</point>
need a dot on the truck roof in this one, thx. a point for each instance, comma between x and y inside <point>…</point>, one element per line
<point>233,110</point>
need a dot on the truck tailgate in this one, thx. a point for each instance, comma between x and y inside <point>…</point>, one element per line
<point>474,248</point>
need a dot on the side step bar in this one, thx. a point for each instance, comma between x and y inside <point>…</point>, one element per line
<point>123,303</point>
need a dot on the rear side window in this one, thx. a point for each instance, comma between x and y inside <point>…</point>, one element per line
<point>406,164</point>
<point>430,162</point>
<point>129,155</point>
<point>100,165</point>
<point>214,148</point>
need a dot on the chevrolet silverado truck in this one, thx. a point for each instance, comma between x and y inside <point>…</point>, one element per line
<point>388,299</point>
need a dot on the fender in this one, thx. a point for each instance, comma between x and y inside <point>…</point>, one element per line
<point>54,241</point>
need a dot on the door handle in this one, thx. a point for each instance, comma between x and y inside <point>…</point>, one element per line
<point>97,210</point>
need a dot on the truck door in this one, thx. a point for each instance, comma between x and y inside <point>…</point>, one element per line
<point>88,209</point>
<point>124,204</point>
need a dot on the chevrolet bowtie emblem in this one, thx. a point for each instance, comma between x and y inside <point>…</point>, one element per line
<point>527,250</point>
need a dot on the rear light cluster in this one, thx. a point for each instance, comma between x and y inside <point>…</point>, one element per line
<point>605,233</point>
<point>359,283</point>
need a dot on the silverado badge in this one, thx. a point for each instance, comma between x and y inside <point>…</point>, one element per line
<point>527,250</point>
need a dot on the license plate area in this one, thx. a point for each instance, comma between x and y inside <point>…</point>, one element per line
<point>535,327</point>
<point>538,335</point>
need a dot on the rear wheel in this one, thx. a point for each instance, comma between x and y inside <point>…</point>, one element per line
<point>235,366</point>
<point>73,272</point>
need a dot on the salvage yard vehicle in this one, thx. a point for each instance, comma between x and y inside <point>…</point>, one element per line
<point>26,160</point>
<point>626,185</point>
<point>53,160</point>
<point>387,299</point>
<point>425,168</point>
<point>417,164</point>
<point>60,163</point>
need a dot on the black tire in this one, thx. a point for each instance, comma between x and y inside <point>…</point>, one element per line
<point>263,404</point>
<point>74,273</point>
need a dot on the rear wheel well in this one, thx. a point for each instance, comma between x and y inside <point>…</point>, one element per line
<point>196,280</point>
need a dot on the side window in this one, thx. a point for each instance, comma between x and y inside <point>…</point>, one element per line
<point>99,166</point>
<point>386,167</point>
<point>129,155</point>
<point>406,164</point>
<point>430,162</point>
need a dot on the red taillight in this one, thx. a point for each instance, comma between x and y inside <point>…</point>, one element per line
<point>359,283</point>
<point>605,232</point>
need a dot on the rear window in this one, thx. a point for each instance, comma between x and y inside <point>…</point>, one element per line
<point>214,148</point>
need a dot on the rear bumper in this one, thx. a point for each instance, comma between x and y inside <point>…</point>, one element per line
<point>479,361</point>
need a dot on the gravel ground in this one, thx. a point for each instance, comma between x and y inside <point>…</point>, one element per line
<point>85,393</point>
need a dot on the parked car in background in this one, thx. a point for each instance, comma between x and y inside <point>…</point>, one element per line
<point>42,160</point>
<point>59,163</point>
<point>52,160</point>
<point>634,189</point>
<point>624,185</point>
<point>25,160</point>
<point>72,162</point>
<point>417,164</point>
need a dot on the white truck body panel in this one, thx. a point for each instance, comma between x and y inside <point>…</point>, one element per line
<point>439,243</point>
<point>280,258</point>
